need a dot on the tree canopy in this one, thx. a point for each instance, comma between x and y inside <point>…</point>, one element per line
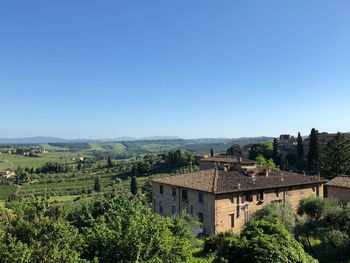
<point>262,241</point>
<point>113,229</point>
<point>335,158</point>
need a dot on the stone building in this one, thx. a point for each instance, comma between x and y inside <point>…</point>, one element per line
<point>225,200</point>
<point>339,188</point>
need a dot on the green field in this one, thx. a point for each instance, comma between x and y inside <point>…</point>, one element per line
<point>12,161</point>
<point>6,191</point>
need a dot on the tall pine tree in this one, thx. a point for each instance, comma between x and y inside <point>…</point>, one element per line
<point>300,147</point>
<point>313,156</point>
<point>336,157</point>
<point>133,185</point>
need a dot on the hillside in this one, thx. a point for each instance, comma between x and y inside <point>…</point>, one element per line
<point>130,148</point>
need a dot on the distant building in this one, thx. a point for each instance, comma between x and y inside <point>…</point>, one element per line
<point>227,163</point>
<point>287,145</point>
<point>339,188</point>
<point>225,200</point>
<point>7,174</point>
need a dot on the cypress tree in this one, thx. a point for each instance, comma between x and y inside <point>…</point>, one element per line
<point>275,153</point>
<point>97,186</point>
<point>133,185</point>
<point>211,152</point>
<point>336,157</point>
<point>300,147</point>
<point>109,161</point>
<point>313,156</point>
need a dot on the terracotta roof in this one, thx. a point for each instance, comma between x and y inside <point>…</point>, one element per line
<point>227,159</point>
<point>340,181</point>
<point>218,181</point>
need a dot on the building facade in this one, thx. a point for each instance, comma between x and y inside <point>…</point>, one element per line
<point>339,188</point>
<point>225,200</point>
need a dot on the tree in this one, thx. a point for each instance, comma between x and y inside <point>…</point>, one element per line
<point>234,150</point>
<point>211,152</point>
<point>109,162</point>
<point>316,208</point>
<point>141,168</point>
<point>280,211</point>
<point>177,159</point>
<point>133,185</point>
<point>263,242</point>
<point>97,186</point>
<point>313,156</point>
<point>335,159</point>
<point>276,156</point>
<point>265,163</point>
<point>300,147</point>
<point>79,166</point>
<point>264,149</point>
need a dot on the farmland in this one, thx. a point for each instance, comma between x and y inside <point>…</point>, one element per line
<point>74,181</point>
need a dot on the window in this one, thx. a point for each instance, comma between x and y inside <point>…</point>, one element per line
<point>249,197</point>
<point>260,196</point>
<point>277,192</point>
<point>232,216</point>
<point>243,199</point>
<point>238,211</point>
<point>184,195</point>
<point>317,191</point>
<point>313,189</point>
<point>200,217</point>
<point>174,192</point>
<point>173,209</point>
<point>200,197</point>
<point>232,199</point>
<point>161,208</point>
<point>237,199</point>
<point>161,189</point>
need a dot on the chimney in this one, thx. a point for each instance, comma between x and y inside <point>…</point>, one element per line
<point>239,186</point>
<point>266,172</point>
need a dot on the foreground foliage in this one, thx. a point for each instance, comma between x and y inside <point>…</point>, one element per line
<point>263,241</point>
<point>115,229</point>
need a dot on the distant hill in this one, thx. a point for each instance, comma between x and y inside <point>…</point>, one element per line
<point>31,140</point>
<point>45,139</point>
<point>129,146</point>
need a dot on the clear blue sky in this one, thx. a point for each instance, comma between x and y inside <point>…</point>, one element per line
<point>94,69</point>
